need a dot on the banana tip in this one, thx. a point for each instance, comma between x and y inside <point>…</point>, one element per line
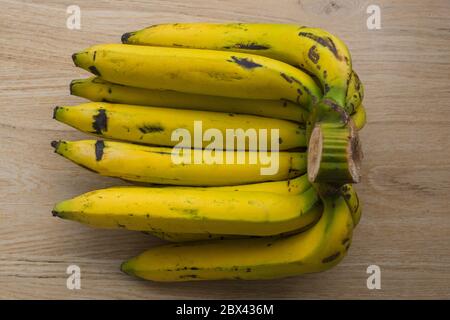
<point>55,111</point>
<point>55,144</point>
<point>72,83</point>
<point>126,36</point>
<point>74,59</point>
<point>125,268</point>
<point>54,213</point>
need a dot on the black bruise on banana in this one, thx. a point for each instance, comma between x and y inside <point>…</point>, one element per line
<point>245,62</point>
<point>333,257</point>
<point>95,71</point>
<point>248,46</point>
<point>313,55</point>
<point>99,147</point>
<point>326,42</point>
<point>183,269</point>
<point>151,128</point>
<point>100,123</point>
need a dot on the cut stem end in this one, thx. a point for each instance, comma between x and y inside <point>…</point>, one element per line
<point>334,154</point>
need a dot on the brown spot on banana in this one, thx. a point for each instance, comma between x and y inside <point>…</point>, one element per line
<point>249,46</point>
<point>313,55</point>
<point>325,42</point>
<point>151,128</point>
<point>286,77</point>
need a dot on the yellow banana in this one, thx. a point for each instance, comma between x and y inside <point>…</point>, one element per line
<point>319,52</point>
<point>97,89</point>
<point>156,165</point>
<point>317,249</point>
<point>152,125</point>
<point>192,210</point>
<point>218,73</point>
<point>294,186</point>
<point>188,237</point>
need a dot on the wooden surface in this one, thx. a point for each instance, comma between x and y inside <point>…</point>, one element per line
<point>405,190</point>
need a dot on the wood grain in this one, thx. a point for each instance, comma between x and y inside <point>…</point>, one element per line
<point>405,229</point>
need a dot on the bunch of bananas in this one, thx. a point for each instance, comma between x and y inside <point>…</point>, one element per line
<point>227,221</point>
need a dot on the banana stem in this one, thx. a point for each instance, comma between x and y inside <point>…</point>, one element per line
<point>334,149</point>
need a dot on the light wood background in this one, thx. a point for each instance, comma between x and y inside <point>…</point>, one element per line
<point>405,229</point>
